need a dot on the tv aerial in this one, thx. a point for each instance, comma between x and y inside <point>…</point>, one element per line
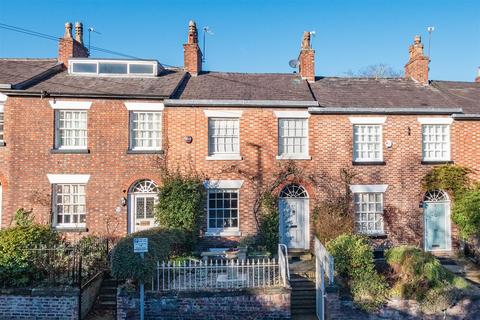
<point>90,30</point>
<point>293,63</point>
<point>206,30</point>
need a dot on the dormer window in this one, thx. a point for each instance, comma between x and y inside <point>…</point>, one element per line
<point>124,68</point>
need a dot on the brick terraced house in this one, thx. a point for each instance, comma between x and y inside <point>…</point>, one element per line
<point>82,142</point>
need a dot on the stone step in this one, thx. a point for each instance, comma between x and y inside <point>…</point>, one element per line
<point>109,305</point>
<point>108,290</point>
<point>108,298</point>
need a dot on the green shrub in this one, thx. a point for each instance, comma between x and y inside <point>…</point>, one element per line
<point>162,244</point>
<point>93,250</point>
<point>17,263</point>
<point>354,263</point>
<point>466,214</point>
<point>417,273</point>
<point>181,203</point>
<point>269,223</point>
<point>438,299</point>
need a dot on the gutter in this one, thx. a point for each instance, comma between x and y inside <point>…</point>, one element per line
<point>43,94</point>
<point>470,116</point>
<point>239,103</point>
<point>399,111</point>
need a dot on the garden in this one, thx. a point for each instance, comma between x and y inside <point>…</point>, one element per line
<point>406,273</point>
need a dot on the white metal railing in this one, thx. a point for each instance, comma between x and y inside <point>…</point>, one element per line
<point>219,274</point>
<point>326,259</point>
<point>319,288</point>
<point>283,264</point>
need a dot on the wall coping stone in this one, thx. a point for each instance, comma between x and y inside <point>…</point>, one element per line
<point>41,292</point>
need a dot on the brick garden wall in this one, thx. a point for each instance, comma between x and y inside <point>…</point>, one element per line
<point>237,305</point>
<point>40,304</point>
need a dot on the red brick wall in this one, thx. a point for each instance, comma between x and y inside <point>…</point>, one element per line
<point>30,139</point>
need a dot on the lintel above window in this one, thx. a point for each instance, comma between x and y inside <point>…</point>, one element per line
<point>223,113</point>
<point>223,184</point>
<point>367,120</point>
<point>70,105</point>
<point>144,106</point>
<point>435,120</point>
<point>368,188</point>
<point>292,114</point>
<point>68,178</point>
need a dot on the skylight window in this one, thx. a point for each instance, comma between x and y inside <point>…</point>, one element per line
<point>109,68</point>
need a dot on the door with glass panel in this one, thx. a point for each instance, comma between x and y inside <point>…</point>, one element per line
<point>143,198</point>
<point>436,207</point>
<point>294,217</point>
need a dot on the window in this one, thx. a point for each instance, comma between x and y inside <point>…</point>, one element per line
<point>292,138</point>
<point>146,130</point>
<point>367,142</point>
<point>222,210</point>
<point>369,212</point>
<point>436,142</point>
<point>223,136</point>
<point>1,127</point>
<point>69,205</point>
<point>122,68</point>
<point>71,129</point>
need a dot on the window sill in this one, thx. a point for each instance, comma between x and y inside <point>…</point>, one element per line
<point>434,162</point>
<point>232,233</point>
<point>139,151</point>
<point>374,235</point>
<point>70,151</point>
<point>368,163</point>
<point>294,157</point>
<point>2,143</point>
<point>70,229</point>
<point>224,157</point>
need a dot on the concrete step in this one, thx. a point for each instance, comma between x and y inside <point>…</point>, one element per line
<point>108,305</point>
<point>108,298</point>
<point>108,290</point>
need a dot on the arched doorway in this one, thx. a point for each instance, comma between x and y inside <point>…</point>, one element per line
<point>294,217</point>
<point>436,211</point>
<point>142,198</point>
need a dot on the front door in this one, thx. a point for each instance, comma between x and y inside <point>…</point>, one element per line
<point>293,222</point>
<point>144,207</point>
<point>436,226</point>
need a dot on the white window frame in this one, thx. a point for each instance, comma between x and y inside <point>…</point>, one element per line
<point>57,130</point>
<point>62,179</point>
<point>131,132</point>
<point>367,121</point>
<point>2,125</point>
<point>293,115</point>
<point>228,115</point>
<point>374,232</point>
<point>437,122</point>
<point>230,185</point>
<point>155,64</point>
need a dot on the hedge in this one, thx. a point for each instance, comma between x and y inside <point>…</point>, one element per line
<point>163,244</point>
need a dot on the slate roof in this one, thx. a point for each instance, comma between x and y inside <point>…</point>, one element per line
<point>465,95</point>
<point>245,86</point>
<point>376,93</point>
<point>16,71</point>
<point>63,83</point>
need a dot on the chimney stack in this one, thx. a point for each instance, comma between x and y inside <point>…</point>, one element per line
<point>306,59</point>
<point>477,79</point>
<point>417,65</point>
<point>191,51</point>
<point>69,47</point>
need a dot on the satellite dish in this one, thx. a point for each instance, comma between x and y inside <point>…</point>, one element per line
<point>293,63</point>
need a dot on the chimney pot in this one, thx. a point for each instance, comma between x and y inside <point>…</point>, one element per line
<point>417,65</point>
<point>477,79</point>
<point>68,30</point>
<point>79,32</point>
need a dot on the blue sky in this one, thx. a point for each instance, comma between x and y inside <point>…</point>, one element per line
<point>261,36</point>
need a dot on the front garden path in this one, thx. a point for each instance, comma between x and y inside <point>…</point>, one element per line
<point>462,267</point>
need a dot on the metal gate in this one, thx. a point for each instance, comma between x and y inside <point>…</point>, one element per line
<point>323,263</point>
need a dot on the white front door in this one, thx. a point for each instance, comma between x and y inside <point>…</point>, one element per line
<point>144,208</point>
<point>294,222</point>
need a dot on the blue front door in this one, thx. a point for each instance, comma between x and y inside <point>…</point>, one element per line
<point>436,231</point>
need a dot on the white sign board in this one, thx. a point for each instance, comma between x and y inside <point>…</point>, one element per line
<point>140,245</point>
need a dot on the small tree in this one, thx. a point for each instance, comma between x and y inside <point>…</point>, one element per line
<point>269,222</point>
<point>180,203</point>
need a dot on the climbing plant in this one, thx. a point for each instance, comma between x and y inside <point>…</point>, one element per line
<point>451,178</point>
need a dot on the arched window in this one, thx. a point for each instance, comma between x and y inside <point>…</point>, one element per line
<point>436,196</point>
<point>293,191</point>
<point>144,186</point>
